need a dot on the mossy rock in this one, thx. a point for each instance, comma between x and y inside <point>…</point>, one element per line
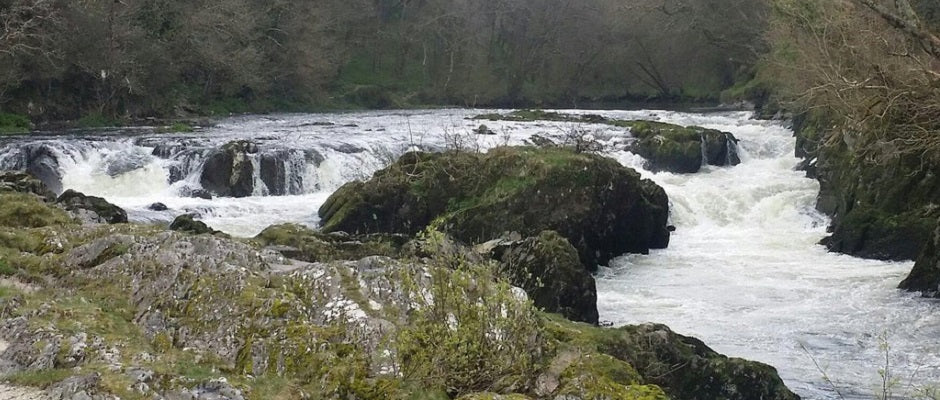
<point>25,210</point>
<point>548,269</point>
<point>602,208</point>
<point>305,244</point>
<point>683,366</point>
<point>187,223</point>
<point>91,208</point>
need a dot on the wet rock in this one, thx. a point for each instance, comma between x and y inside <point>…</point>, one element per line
<point>347,148</point>
<point>483,130</point>
<point>925,276</point>
<point>24,183</point>
<point>158,207</point>
<point>540,141</point>
<point>229,171</point>
<point>197,193</point>
<point>91,209</point>
<point>167,151</point>
<point>282,171</point>
<point>41,162</point>
<point>601,207</point>
<point>187,223</point>
<point>81,387</point>
<point>721,148</point>
<point>548,269</point>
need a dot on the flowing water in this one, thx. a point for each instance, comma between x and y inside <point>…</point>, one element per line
<point>742,272</point>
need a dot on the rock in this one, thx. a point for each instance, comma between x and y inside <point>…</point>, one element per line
<point>282,171</point>
<point>925,276</point>
<point>301,243</point>
<point>483,130</point>
<point>882,204</point>
<point>91,209</point>
<point>602,208</point>
<point>548,269</point>
<point>721,148</point>
<point>684,366</point>
<point>677,149</point>
<point>24,183</point>
<point>196,193</point>
<point>540,141</point>
<point>186,223</point>
<point>158,207</point>
<point>229,171</point>
<point>81,387</point>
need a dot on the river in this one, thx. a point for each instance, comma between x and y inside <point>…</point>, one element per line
<point>743,271</point>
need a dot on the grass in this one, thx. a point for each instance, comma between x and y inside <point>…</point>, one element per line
<point>14,124</point>
<point>27,211</point>
<point>97,120</point>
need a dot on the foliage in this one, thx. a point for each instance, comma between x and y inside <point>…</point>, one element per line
<point>27,210</point>
<point>14,124</point>
<point>470,332</point>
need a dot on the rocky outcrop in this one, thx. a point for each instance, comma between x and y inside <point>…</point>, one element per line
<point>40,161</point>
<point>883,204</point>
<point>925,277</point>
<point>548,269</point>
<point>679,149</point>
<point>24,183</point>
<point>229,171</point>
<point>602,208</point>
<point>91,209</point>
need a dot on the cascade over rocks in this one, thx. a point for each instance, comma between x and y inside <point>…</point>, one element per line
<point>242,168</point>
<point>91,209</point>
<point>602,208</point>
<point>40,161</point>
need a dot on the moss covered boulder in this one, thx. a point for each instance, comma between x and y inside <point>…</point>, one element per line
<point>678,149</point>
<point>548,269</point>
<point>602,208</point>
<point>91,209</point>
<point>684,366</point>
<point>187,223</point>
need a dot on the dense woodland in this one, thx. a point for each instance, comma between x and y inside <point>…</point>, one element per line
<point>131,58</point>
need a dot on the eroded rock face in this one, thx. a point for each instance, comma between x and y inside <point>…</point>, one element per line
<point>548,269</point>
<point>599,206</point>
<point>883,205</point>
<point>91,209</point>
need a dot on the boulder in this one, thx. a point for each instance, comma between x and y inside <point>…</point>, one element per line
<point>24,183</point>
<point>158,207</point>
<point>678,149</point>
<point>602,208</point>
<point>91,209</point>
<point>548,269</point>
<point>229,171</point>
<point>483,130</point>
<point>187,223</point>
<point>925,276</point>
<point>40,161</point>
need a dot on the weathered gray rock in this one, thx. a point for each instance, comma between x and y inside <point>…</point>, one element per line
<point>23,182</point>
<point>229,171</point>
<point>91,209</point>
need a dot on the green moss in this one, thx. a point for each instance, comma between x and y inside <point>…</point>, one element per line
<point>162,342</point>
<point>97,120</point>
<point>176,127</point>
<point>6,269</point>
<point>12,124</point>
<point>21,210</point>
<point>39,379</point>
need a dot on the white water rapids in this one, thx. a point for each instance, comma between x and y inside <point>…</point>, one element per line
<point>742,272</point>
